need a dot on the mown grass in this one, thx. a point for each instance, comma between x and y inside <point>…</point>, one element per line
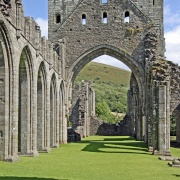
<point>95,158</point>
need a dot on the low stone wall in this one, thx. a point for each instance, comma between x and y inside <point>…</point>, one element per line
<point>73,136</point>
<point>99,127</point>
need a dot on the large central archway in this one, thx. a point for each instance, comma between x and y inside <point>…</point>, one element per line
<point>137,71</point>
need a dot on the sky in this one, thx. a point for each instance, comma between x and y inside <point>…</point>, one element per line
<point>38,9</point>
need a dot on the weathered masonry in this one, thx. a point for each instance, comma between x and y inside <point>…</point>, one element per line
<point>37,75</point>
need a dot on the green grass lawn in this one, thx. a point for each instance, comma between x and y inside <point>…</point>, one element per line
<point>95,158</point>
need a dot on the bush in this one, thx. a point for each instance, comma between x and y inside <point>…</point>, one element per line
<point>103,112</point>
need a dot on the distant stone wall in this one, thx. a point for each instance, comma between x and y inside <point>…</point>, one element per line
<point>99,127</point>
<point>83,108</point>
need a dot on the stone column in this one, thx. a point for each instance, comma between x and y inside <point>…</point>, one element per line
<point>93,103</point>
<point>38,38</point>
<point>57,118</point>
<point>47,137</point>
<point>14,145</point>
<point>163,124</point>
<point>87,110</point>
<point>65,115</point>
<point>60,117</point>
<point>34,114</point>
<point>144,131</point>
<point>18,18</point>
<point>168,118</point>
<point>62,47</point>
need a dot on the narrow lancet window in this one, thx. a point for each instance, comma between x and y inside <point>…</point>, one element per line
<point>153,2</point>
<point>104,1</point>
<point>105,19</point>
<point>83,19</point>
<point>127,17</point>
<point>58,18</point>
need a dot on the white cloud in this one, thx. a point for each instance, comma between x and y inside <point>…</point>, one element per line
<point>43,23</point>
<point>173,45</point>
<point>171,17</point>
<point>111,61</point>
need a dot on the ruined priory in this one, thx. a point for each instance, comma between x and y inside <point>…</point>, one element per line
<point>37,75</point>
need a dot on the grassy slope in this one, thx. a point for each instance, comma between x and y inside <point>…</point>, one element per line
<point>106,73</point>
<point>110,83</point>
<point>95,158</point>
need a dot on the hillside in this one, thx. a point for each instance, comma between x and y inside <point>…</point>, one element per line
<point>105,73</point>
<point>110,83</point>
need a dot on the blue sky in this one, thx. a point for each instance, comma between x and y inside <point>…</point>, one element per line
<point>38,9</point>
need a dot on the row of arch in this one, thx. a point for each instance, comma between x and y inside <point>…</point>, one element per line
<point>48,131</point>
<point>32,103</point>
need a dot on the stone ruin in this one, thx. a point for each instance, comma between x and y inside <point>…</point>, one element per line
<point>83,108</point>
<point>37,75</point>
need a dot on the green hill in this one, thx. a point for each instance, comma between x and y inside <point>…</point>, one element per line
<point>110,83</point>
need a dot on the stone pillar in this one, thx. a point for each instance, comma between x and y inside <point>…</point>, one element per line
<point>47,136</point>
<point>62,47</point>
<point>60,116</point>
<point>50,56</point>
<point>14,145</point>
<point>65,115</point>
<point>93,103</point>
<point>64,131</point>
<point>57,118</point>
<point>163,124</point>
<point>168,118</point>
<point>87,109</point>
<point>34,115</point>
<point>144,131</point>
<point>90,108</point>
<point>38,38</point>
<point>18,18</point>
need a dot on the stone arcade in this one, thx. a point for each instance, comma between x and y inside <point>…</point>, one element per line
<point>37,75</point>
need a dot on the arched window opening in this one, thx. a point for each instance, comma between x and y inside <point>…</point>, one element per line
<point>58,19</point>
<point>83,19</point>
<point>105,18</point>
<point>104,1</point>
<point>127,17</point>
<point>153,2</point>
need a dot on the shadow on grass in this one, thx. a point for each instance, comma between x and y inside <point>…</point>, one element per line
<point>116,145</point>
<point>119,139</point>
<point>26,178</point>
<point>176,175</point>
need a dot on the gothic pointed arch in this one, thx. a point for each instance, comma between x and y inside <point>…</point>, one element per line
<point>61,110</point>
<point>53,113</point>
<point>112,51</point>
<point>6,82</point>
<point>124,57</point>
<point>25,123</point>
<point>41,109</point>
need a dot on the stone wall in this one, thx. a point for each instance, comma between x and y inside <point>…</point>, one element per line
<point>83,108</point>
<point>123,128</point>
